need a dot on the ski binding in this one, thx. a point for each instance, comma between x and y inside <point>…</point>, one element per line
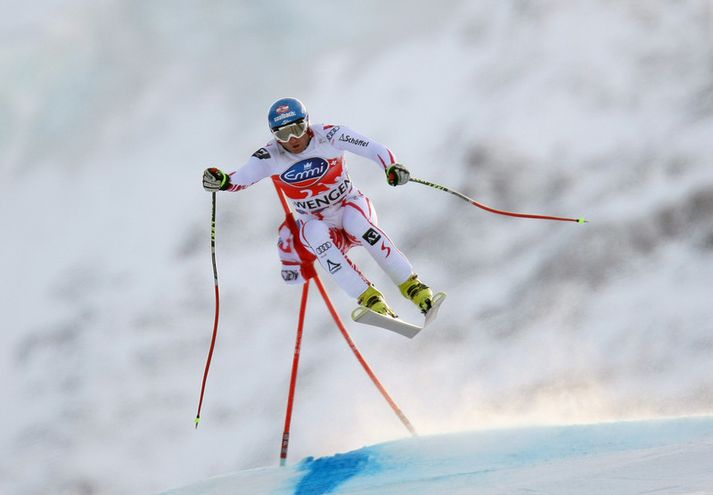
<point>410,330</point>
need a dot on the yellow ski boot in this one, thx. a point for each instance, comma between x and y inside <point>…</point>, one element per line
<point>372,299</point>
<point>418,292</point>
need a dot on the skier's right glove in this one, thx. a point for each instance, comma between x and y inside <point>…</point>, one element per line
<point>397,175</point>
<point>215,180</point>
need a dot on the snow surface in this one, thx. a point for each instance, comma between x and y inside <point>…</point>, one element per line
<point>664,456</point>
<point>109,112</point>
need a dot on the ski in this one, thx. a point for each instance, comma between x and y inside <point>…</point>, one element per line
<point>397,325</point>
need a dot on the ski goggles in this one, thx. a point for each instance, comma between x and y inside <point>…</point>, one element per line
<point>286,132</point>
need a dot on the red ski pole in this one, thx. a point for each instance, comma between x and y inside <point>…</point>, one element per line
<point>293,377</point>
<point>493,210</point>
<point>217,312</point>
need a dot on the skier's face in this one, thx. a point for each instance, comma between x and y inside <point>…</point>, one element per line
<point>298,144</point>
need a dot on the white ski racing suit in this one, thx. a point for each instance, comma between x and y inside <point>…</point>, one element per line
<point>333,216</point>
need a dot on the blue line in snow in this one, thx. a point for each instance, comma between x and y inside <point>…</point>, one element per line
<point>325,474</point>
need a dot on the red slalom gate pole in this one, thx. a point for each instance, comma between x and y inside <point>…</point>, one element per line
<point>293,377</point>
<point>361,359</point>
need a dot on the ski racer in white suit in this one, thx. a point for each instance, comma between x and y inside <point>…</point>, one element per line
<point>307,163</point>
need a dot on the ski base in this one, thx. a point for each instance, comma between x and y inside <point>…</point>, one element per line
<point>397,325</point>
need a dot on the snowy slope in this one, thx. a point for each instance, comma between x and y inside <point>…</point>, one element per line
<point>109,111</point>
<point>666,456</point>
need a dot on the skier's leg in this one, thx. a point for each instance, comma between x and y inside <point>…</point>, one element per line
<point>360,221</point>
<point>289,257</point>
<point>325,242</point>
<point>316,236</point>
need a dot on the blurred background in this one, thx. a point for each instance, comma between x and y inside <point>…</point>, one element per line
<point>110,111</point>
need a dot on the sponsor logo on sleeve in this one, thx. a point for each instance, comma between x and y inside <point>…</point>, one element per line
<point>356,142</point>
<point>331,133</point>
<point>371,236</point>
<point>262,154</point>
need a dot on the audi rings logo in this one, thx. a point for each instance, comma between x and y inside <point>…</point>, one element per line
<point>323,248</point>
<point>305,173</point>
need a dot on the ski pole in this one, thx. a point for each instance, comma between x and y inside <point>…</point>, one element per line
<point>493,210</point>
<point>217,311</point>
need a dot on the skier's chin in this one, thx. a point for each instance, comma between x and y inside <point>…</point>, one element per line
<point>294,147</point>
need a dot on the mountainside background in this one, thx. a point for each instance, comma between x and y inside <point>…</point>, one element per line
<point>110,111</point>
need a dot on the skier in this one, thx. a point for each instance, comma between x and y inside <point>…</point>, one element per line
<point>307,163</point>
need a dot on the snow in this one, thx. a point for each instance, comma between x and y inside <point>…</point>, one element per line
<point>673,456</point>
<point>109,112</point>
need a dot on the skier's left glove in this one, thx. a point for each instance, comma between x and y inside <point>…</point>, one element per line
<point>215,179</point>
<point>397,175</point>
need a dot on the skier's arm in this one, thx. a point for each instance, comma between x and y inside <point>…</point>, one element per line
<point>256,168</point>
<point>346,139</point>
